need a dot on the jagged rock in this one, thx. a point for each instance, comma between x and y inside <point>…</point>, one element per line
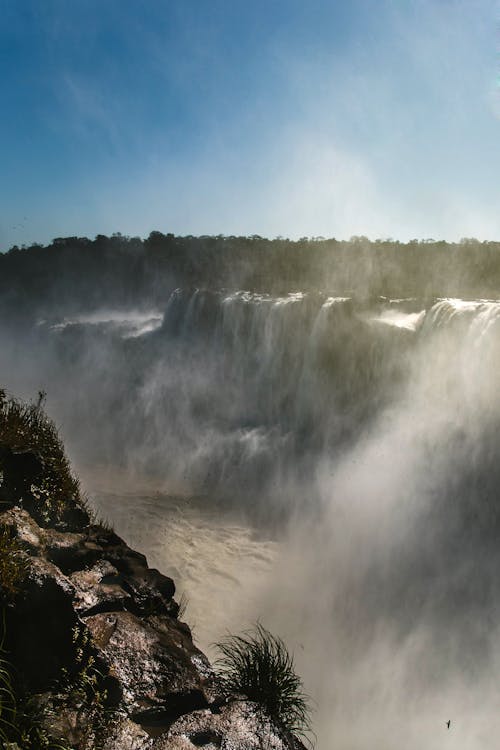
<point>125,734</point>
<point>121,578</point>
<point>23,528</point>
<point>88,727</point>
<point>241,725</point>
<point>94,635</point>
<point>40,625</point>
<point>59,545</point>
<point>96,590</point>
<point>156,664</point>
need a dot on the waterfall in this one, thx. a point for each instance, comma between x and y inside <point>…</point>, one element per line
<point>341,460</point>
<point>244,395</point>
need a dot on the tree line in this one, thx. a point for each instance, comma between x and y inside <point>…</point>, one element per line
<point>81,273</point>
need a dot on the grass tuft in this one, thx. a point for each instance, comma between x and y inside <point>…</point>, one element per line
<point>258,665</point>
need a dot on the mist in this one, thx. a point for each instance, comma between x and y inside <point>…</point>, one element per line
<point>325,464</point>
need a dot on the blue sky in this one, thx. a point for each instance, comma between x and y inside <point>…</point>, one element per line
<point>275,117</point>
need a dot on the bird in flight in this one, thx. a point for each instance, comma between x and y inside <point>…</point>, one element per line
<point>448,723</point>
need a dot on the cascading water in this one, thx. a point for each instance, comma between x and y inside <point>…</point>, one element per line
<point>234,391</point>
<point>360,438</point>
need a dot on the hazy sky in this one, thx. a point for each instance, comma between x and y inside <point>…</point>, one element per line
<point>276,117</point>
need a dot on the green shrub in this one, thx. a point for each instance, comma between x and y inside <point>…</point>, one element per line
<point>24,426</point>
<point>258,665</point>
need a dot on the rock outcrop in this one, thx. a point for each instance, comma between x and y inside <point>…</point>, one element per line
<point>94,637</point>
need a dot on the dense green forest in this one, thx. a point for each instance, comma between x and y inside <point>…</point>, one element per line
<point>75,273</point>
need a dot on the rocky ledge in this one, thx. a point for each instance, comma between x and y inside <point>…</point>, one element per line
<point>95,640</point>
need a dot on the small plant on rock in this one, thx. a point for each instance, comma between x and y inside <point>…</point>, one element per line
<point>84,687</point>
<point>258,665</point>
<point>84,690</point>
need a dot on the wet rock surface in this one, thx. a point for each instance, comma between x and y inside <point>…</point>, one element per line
<point>240,724</point>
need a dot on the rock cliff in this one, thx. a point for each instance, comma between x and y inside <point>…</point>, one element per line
<point>93,642</point>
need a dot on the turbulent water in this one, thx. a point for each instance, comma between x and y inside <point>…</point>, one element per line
<point>328,465</point>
